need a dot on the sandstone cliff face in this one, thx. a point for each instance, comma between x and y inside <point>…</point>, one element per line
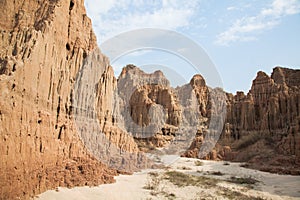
<point>43,47</point>
<point>143,99</point>
<point>153,94</point>
<point>211,107</point>
<point>161,116</point>
<point>98,119</point>
<point>202,93</point>
<point>269,112</point>
<point>261,127</point>
<point>150,107</point>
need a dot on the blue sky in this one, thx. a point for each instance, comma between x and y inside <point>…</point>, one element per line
<point>240,37</point>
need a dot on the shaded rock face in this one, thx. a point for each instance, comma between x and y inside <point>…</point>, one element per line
<point>109,115</point>
<point>97,117</point>
<point>43,47</point>
<point>211,105</point>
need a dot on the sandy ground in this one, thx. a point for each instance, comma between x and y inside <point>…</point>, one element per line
<point>143,185</point>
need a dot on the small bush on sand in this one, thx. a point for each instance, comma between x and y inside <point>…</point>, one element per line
<point>153,181</point>
<point>184,168</point>
<point>243,180</point>
<point>156,186</point>
<point>198,163</point>
<point>246,165</point>
<point>215,173</point>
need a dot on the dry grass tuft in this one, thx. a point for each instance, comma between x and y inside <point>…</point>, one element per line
<point>243,180</point>
<point>198,163</point>
<point>215,173</point>
<point>181,179</point>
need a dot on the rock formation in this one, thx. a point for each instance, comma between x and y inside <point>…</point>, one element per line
<point>161,116</point>
<point>267,118</point>
<point>211,107</point>
<point>98,120</point>
<point>52,117</point>
<point>143,100</point>
<point>262,127</point>
<point>148,106</point>
<point>44,45</point>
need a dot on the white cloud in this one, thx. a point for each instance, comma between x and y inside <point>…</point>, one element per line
<point>112,17</point>
<point>232,8</point>
<point>247,28</point>
<point>282,8</point>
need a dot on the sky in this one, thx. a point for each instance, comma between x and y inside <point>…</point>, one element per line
<point>235,39</point>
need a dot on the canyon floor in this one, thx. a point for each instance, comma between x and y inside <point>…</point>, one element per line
<point>187,178</point>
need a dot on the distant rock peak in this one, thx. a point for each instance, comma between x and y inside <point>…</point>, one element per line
<point>286,76</point>
<point>197,80</point>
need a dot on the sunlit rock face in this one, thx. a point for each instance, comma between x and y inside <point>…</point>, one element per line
<point>269,116</point>
<point>169,118</point>
<point>44,45</point>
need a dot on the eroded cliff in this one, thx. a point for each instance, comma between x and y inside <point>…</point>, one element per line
<point>261,127</point>
<point>44,45</point>
<point>47,139</point>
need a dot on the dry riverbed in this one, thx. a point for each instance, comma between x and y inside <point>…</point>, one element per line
<point>188,178</point>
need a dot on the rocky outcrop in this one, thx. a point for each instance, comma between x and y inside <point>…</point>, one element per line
<point>144,96</point>
<point>266,118</point>
<point>146,101</point>
<point>44,45</point>
<point>202,93</point>
<point>271,108</point>
<point>149,107</point>
<point>98,119</point>
<point>160,116</point>
<point>52,117</point>
<point>210,108</point>
<point>262,126</point>
<point>269,112</point>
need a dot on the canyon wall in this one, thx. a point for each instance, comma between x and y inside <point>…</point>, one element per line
<point>265,123</point>
<point>44,45</point>
<point>261,128</point>
<point>51,118</point>
<point>147,101</point>
<point>169,118</point>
